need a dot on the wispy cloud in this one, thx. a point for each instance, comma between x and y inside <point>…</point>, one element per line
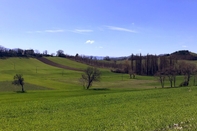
<point>184,46</point>
<point>82,31</point>
<point>61,31</point>
<point>37,31</point>
<point>29,32</point>
<point>89,41</point>
<point>121,29</point>
<point>139,49</point>
<point>54,31</point>
<point>47,31</point>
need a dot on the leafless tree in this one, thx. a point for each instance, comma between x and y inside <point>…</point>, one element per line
<point>131,74</point>
<point>90,75</point>
<point>19,80</point>
<point>60,53</point>
<point>107,58</point>
<point>161,77</point>
<point>187,69</point>
<point>126,66</point>
<point>171,73</point>
<point>45,52</point>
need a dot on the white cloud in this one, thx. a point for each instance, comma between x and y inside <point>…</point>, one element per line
<point>89,42</point>
<point>47,31</point>
<point>121,29</point>
<point>60,31</point>
<point>38,31</point>
<point>100,29</point>
<point>139,49</point>
<point>82,31</point>
<point>100,47</point>
<point>29,32</point>
<point>53,31</point>
<point>184,46</point>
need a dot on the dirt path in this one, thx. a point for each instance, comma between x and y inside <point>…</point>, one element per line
<point>46,61</point>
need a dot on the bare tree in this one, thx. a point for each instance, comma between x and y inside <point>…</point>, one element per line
<point>45,52</point>
<point>37,51</point>
<point>138,64</point>
<point>90,74</point>
<point>52,54</point>
<point>187,69</point>
<point>60,53</point>
<point>19,80</point>
<point>161,77</point>
<point>126,66</point>
<point>171,73</point>
<point>107,58</point>
<point>131,74</point>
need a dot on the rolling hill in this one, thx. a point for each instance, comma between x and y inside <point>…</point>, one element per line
<point>184,55</point>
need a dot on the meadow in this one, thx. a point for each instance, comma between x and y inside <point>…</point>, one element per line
<point>56,100</point>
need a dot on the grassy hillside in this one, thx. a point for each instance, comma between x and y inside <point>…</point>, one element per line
<point>67,62</point>
<point>55,100</point>
<point>38,73</point>
<point>42,75</point>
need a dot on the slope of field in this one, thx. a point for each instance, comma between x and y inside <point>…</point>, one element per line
<point>116,103</point>
<point>57,62</point>
<point>38,73</point>
<point>67,62</point>
<point>43,75</point>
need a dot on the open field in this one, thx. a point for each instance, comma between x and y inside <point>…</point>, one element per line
<point>55,100</point>
<point>67,62</point>
<point>38,73</point>
<point>99,110</point>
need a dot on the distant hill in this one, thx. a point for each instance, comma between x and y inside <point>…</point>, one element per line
<point>184,55</point>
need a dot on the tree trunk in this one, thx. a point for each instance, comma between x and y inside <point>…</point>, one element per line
<point>194,80</point>
<point>174,81</point>
<point>89,84</point>
<point>188,79</point>
<point>162,84</point>
<point>133,76</point>
<point>171,83</point>
<point>22,89</point>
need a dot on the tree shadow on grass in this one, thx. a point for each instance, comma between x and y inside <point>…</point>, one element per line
<point>8,86</point>
<point>100,89</point>
<point>20,91</point>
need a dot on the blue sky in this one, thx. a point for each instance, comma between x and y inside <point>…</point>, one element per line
<point>99,27</point>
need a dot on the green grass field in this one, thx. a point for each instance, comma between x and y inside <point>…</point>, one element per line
<point>67,62</point>
<point>55,100</point>
<point>156,109</point>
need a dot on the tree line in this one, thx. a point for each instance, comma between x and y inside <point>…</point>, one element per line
<point>89,60</point>
<point>17,52</point>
